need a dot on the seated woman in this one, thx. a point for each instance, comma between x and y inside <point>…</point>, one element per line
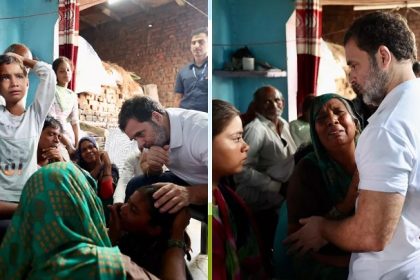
<point>58,232</point>
<point>322,183</point>
<point>143,233</point>
<point>236,249</point>
<point>98,164</point>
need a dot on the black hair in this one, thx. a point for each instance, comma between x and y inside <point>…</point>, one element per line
<point>52,122</point>
<point>199,31</point>
<point>164,220</point>
<point>148,252</point>
<point>223,113</point>
<point>383,28</point>
<point>416,68</point>
<point>8,59</point>
<point>61,60</point>
<point>139,108</point>
<point>157,218</point>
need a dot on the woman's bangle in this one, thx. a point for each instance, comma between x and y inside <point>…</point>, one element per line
<point>177,243</point>
<point>174,243</point>
<point>106,175</point>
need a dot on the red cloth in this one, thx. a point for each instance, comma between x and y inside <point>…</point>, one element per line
<point>106,188</point>
<point>68,33</point>
<point>308,43</point>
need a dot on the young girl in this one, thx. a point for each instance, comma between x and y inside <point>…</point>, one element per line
<point>65,107</point>
<point>143,233</point>
<point>235,244</point>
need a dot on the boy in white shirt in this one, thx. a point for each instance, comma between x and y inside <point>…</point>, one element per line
<point>20,128</point>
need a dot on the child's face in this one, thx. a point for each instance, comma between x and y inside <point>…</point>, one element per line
<point>13,83</point>
<point>64,73</point>
<point>135,215</point>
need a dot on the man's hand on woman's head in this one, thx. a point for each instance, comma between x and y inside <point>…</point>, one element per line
<point>170,197</point>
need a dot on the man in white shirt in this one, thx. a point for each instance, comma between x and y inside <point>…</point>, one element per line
<point>176,138</point>
<point>269,162</point>
<point>270,156</point>
<point>384,232</point>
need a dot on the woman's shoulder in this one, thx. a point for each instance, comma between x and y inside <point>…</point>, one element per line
<point>308,162</point>
<point>306,175</point>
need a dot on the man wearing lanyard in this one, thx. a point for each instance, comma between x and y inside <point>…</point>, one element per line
<point>191,82</point>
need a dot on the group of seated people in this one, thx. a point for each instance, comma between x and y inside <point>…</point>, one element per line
<point>60,213</point>
<point>266,170</point>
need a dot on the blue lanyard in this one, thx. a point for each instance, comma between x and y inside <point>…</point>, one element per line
<point>201,75</point>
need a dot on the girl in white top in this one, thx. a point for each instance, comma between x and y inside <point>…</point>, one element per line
<point>65,107</point>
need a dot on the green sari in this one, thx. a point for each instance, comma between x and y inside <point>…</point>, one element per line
<point>336,182</point>
<point>336,179</point>
<point>58,230</point>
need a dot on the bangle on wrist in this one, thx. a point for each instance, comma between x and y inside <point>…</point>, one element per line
<point>175,243</point>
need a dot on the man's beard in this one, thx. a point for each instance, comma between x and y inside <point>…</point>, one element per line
<point>375,90</point>
<point>160,138</point>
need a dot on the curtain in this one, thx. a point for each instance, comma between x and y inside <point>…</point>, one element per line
<point>308,41</point>
<point>68,32</point>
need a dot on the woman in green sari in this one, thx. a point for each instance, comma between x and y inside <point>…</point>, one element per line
<point>58,230</point>
<point>324,183</point>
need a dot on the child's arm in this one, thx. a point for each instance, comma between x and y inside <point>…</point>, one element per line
<point>26,61</point>
<point>45,92</point>
<point>76,130</point>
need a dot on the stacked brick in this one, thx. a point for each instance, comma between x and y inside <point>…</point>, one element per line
<point>101,110</point>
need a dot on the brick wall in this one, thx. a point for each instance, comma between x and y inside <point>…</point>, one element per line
<point>156,53</point>
<point>336,20</point>
<point>100,111</point>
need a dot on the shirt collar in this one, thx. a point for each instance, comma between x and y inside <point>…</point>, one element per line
<point>265,121</point>
<point>193,64</point>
